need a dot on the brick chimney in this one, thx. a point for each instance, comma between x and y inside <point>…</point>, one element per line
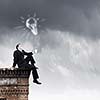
<point>14,84</point>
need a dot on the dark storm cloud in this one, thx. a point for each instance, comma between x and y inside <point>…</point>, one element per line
<point>80,16</point>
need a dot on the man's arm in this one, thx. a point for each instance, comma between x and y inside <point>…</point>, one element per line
<point>27,53</point>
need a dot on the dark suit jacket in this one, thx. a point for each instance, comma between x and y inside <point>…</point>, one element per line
<point>19,57</point>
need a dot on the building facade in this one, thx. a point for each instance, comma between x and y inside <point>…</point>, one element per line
<point>14,84</point>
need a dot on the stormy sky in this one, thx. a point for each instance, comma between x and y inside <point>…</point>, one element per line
<point>68,45</point>
<point>78,16</point>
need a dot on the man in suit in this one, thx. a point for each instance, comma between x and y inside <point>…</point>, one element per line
<point>22,62</point>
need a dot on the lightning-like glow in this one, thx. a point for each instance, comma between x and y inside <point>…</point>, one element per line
<point>31,24</point>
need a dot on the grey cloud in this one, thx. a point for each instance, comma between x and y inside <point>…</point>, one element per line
<point>78,16</point>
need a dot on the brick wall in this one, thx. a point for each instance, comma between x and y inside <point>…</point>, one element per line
<point>14,84</point>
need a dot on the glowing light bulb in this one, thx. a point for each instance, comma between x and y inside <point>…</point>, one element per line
<point>31,24</point>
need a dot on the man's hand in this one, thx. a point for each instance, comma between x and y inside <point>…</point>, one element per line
<point>12,67</point>
<point>31,53</point>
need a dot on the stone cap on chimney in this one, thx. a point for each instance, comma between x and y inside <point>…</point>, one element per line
<point>14,73</point>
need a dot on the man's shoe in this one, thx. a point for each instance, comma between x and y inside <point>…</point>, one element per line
<point>37,82</point>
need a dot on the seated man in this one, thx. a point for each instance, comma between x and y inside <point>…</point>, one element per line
<point>23,62</point>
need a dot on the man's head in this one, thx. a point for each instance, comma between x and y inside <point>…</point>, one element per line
<point>18,47</point>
